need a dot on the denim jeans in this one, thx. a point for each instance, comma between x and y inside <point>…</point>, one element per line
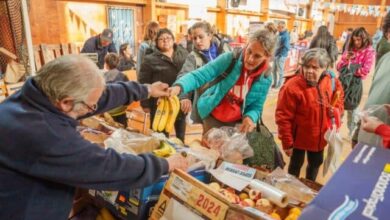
<point>278,71</point>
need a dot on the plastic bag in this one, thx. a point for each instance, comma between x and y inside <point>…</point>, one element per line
<point>335,145</point>
<point>124,141</point>
<point>380,112</point>
<point>232,145</point>
<point>200,157</point>
<point>296,190</point>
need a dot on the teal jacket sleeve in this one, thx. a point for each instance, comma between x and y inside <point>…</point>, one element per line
<point>207,73</point>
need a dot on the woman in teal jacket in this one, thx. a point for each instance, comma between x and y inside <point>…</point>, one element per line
<point>238,96</point>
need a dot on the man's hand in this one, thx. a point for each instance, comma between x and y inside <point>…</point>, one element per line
<point>177,161</point>
<point>370,123</point>
<point>158,89</point>
<point>174,90</point>
<point>288,152</point>
<point>186,106</point>
<point>247,125</point>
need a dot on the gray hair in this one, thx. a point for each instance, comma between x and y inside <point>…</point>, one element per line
<point>69,76</point>
<point>319,54</point>
<point>266,38</point>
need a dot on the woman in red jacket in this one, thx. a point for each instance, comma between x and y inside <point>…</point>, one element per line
<point>303,110</point>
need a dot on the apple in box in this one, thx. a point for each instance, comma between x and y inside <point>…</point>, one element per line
<point>231,197</point>
<point>254,194</point>
<point>247,203</point>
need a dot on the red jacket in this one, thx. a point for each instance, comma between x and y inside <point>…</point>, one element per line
<point>301,119</point>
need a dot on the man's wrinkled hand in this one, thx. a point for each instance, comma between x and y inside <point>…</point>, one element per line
<point>177,161</point>
<point>159,89</point>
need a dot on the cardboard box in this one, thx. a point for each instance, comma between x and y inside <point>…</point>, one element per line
<point>358,190</point>
<point>138,203</point>
<point>185,197</point>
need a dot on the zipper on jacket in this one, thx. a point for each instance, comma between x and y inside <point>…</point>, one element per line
<point>321,115</point>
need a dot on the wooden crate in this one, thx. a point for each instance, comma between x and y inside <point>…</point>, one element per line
<point>14,87</point>
<point>199,198</point>
<point>3,90</point>
<point>138,120</point>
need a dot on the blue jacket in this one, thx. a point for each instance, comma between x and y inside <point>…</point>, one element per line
<point>284,44</point>
<point>92,45</point>
<point>254,100</point>
<point>43,158</point>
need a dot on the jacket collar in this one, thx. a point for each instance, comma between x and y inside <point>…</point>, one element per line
<point>36,98</point>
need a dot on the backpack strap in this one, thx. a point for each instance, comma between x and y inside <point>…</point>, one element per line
<point>236,55</point>
<point>333,78</point>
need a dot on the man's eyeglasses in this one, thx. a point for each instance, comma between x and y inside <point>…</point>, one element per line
<point>91,108</point>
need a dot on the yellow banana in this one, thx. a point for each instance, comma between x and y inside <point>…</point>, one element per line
<point>174,104</point>
<point>105,214</point>
<point>157,116</point>
<point>165,150</point>
<point>164,115</point>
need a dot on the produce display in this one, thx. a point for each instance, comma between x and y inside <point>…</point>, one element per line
<point>256,199</point>
<point>218,145</point>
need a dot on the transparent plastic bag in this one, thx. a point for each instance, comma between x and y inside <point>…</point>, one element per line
<point>335,147</point>
<point>380,112</point>
<point>215,138</point>
<point>124,141</point>
<point>296,190</point>
<point>200,157</point>
<point>232,145</point>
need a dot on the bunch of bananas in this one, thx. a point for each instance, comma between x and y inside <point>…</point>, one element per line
<point>167,110</point>
<point>165,150</point>
<point>104,214</point>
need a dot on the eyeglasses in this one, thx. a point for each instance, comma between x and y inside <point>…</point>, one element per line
<point>164,39</point>
<point>91,108</point>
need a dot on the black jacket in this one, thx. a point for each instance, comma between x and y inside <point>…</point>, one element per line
<point>92,45</point>
<point>158,67</point>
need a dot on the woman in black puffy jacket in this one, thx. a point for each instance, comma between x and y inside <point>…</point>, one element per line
<point>164,64</point>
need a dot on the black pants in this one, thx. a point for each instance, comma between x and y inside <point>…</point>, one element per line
<point>121,119</point>
<point>180,124</point>
<point>315,159</point>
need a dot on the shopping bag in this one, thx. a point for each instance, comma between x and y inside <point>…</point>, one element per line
<point>335,144</point>
<point>352,86</point>
<point>266,151</point>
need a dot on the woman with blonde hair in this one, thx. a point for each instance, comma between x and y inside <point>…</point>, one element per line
<point>148,44</point>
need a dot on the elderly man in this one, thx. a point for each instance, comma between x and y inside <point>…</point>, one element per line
<point>42,156</point>
<point>100,44</point>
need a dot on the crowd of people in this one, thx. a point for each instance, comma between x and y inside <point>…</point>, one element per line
<point>217,85</point>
